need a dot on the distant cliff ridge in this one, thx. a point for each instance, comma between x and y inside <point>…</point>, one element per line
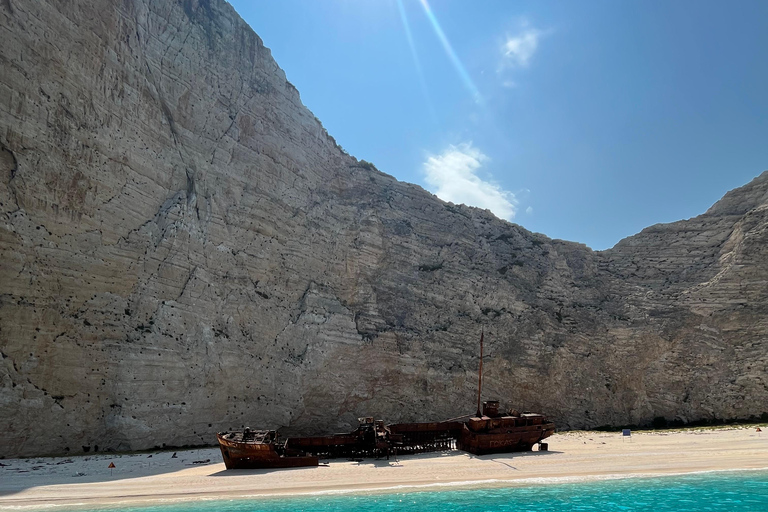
<point>184,249</point>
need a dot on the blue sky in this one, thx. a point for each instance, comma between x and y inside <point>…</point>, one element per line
<point>585,121</point>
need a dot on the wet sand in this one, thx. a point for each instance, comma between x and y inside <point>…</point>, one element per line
<point>147,478</point>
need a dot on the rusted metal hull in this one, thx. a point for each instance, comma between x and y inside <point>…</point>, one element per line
<point>518,439</point>
<point>488,432</point>
<point>371,439</point>
<point>410,438</point>
<point>478,435</point>
<point>338,445</point>
<point>244,455</point>
<point>495,433</point>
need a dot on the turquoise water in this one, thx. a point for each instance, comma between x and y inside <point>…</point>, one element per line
<point>744,491</point>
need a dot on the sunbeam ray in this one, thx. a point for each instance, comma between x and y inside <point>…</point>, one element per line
<point>416,60</point>
<point>470,85</point>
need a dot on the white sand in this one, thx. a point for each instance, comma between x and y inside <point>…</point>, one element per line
<point>143,479</point>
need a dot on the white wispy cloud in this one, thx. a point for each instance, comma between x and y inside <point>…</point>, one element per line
<point>518,49</point>
<point>452,176</point>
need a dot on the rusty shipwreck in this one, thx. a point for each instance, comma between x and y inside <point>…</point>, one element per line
<point>256,449</point>
<point>487,431</point>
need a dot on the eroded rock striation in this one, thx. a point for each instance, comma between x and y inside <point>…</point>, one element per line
<point>184,249</point>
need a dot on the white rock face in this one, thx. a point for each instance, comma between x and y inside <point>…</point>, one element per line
<point>184,249</point>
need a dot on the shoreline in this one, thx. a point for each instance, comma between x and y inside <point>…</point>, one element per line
<point>135,501</point>
<point>480,484</point>
<point>145,479</point>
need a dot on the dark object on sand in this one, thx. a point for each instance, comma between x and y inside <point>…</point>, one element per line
<point>254,449</point>
<point>498,433</point>
<point>371,439</point>
<point>488,431</point>
<point>492,432</point>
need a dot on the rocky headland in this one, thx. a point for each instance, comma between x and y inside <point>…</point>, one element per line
<point>184,249</point>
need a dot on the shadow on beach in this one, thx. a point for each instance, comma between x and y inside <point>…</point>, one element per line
<point>19,474</point>
<point>16,475</point>
<point>393,461</point>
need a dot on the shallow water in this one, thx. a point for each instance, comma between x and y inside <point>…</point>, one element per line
<point>745,491</point>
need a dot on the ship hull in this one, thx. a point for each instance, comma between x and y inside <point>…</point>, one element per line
<point>244,455</point>
<point>516,439</point>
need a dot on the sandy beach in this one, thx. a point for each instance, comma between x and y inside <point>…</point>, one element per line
<point>145,478</point>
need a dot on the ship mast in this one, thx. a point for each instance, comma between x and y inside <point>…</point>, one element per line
<point>480,375</point>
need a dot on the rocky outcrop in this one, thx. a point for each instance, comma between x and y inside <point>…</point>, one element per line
<point>184,249</point>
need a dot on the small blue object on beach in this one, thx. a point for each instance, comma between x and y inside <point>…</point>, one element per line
<point>626,432</point>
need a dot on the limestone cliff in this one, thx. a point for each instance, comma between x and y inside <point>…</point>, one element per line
<point>184,249</point>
